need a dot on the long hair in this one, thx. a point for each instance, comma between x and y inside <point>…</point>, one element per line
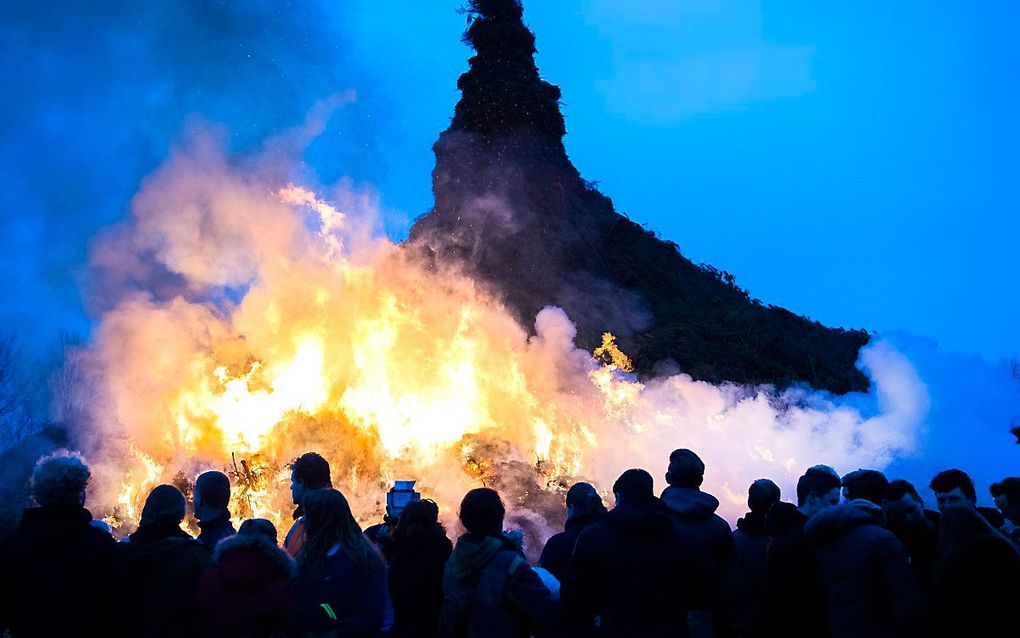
<point>329,521</point>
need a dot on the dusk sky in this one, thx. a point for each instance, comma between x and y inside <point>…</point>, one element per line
<point>856,163</point>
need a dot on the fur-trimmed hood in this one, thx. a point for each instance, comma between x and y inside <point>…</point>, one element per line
<point>236,551</point>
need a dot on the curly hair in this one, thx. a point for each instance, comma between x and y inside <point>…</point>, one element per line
<point>60,478</point>
<point>312,471</point>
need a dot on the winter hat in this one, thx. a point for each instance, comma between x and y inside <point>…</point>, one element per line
<point>165,505</point>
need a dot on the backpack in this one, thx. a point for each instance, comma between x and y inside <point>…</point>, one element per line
<point>467,603</point>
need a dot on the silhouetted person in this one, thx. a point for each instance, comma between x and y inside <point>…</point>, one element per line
<point>164,564</point>
<point>59,573</point>
<point>212,501</point>
<point>631,570</point>
<point>419,549</point>
<point>308,472</point>
<point>707,534</point>
<point>977,578</point>
<point>869,588</point>
<point>341,585</point>
<point>916,528</point>
<point>584,507</point>
<point>489,590</point>
<point>248,592</point>
<point>795,599</point>
<point>1007,498</point>
<point>746,587</point>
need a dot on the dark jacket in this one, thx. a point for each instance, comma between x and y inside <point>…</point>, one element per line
<point>556,553</point>
<point>490,591</point>
<point>354,593</point>
<point>795,600</point>
<point>417,559</point>
<point>708,537</point>
<point>920,542</point>
<point>977,588</point>
<point>631,570</point>
<point>248,591</point>
<point>869,589</point>
<point>163,565</point>
<point>214,531</point>
<point>60,575</point>
<point>745,587</point>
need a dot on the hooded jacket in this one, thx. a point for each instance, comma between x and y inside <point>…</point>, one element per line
<point>869,588</point>
<point>708,537</point>
<point>490,591</point>
<point>248,592</point>
<point>556,553</point>
<point>632,571</point>
<point>164,564</point>
<point>795,600</point>
<point>60,575</point>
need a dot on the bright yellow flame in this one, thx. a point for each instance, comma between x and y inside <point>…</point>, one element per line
<point>390,371</point>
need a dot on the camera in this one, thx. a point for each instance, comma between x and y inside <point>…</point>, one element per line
<point>400,496</point>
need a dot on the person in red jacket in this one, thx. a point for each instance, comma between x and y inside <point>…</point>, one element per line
<point>308,472</point>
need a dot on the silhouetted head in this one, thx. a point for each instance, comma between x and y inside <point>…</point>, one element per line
<point>634,486</point>
<point>582,499</point>
<point>817,490</point>
<point>482,512</point>
<point>423,512</point>
<point>953,488</point>
<point>869,485</point>
<point>164,506</point>
<point>903,505</point>
<point>212,495</point>
<point>825,468</point>
<point>1007,497</point>
<point>329,522</point>
<point>686,469</point>
<point>60,479</point>
<point>259,527</point>
<point>308,472</point>
<point>762,495</point>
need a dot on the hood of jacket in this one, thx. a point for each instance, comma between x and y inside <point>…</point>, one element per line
<point>782,517</point>
<point>834,521</point>
<point>150,546</point>
<point>648,520</point>
<point>690,503</point>
<point>248,560</point>
<point>472,552</point>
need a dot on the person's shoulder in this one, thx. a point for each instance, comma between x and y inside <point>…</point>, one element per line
<point>561,538</point>
<point>598,532</point>
<point>720,523</point>
<point>99,538</point>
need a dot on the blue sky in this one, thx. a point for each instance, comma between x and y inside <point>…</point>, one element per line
<point>855,163</point>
